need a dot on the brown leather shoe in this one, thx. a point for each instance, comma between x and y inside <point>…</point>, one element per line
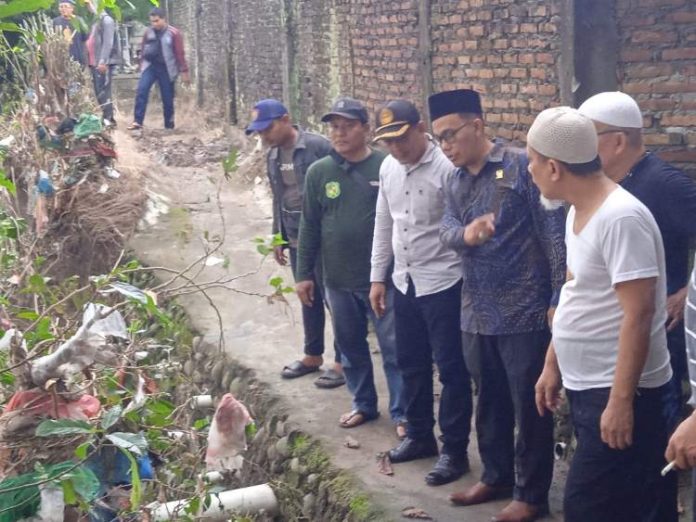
<point>478,494</point>
<point>518,511</point>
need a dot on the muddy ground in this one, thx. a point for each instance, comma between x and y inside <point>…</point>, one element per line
<point>182,170</point>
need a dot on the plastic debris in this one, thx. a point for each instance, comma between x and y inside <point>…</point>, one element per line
<point>112,173</point>
<point>127,290</point>
<point>44,184</point>
<point>42,403</point>
<point>212,261</point>
<point>88,125</point>
<point>6,143</point>
<point>227,436</point>
<point>6,340</point>
<point>78,352</point>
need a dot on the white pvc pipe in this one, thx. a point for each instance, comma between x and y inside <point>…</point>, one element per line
<point>244,501</point>
<point>202,402</point>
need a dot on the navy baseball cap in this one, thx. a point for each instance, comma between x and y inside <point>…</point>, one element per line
<point>265,111</point>
<point>395,118</point>
<point>347,107</point>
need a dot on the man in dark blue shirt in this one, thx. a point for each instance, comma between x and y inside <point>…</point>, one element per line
<point>70,26</point>
<point>671,197</point>
<point>513,262</point>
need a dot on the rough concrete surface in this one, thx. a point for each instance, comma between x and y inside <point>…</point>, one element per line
<point>264,336</point>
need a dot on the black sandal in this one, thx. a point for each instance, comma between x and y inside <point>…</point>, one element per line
<point>330,379</point>
<point>297,369</point>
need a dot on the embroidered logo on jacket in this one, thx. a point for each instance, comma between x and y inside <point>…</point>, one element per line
<point>333,189</point>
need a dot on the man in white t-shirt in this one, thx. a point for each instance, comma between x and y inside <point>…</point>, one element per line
<point>609,344</point>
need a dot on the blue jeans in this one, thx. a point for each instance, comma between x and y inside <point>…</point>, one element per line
<point>350,311</point>
<point>427,330</point>
<point>505,369</point>
<point>155,73</point>
<point>610,485</point>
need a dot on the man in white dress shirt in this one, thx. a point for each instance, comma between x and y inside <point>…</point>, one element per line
<point>427,277</point>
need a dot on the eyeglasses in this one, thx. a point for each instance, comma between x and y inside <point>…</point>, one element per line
<point>449,135</point>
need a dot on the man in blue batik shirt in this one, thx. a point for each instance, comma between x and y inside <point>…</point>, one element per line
<point>513,262</point>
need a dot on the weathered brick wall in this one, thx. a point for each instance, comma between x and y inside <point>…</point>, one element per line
<point>507,50</point>
<point>385,51</point>
<point>306,52</point>
<point>658,68</point>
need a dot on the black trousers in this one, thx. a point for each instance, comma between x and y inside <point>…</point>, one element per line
<point>606,484</point>
<point>505,369</point>
<point>102,90</point>
<point>314,317</point>
<point>427,330</point>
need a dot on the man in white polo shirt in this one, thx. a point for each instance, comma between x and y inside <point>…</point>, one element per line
<point>428,280</point>
<point>609,344</point>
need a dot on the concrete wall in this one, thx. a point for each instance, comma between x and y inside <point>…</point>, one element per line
<point>523,55</point>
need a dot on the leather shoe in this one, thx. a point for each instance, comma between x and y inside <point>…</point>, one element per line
<point>412,449</point>
<point>518,511</point>
<point>478,494</point>
<point>447,469</point>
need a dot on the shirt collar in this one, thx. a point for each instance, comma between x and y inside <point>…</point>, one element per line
<point>301,143</point>
<point>426,158</point>
<point>494,156</point>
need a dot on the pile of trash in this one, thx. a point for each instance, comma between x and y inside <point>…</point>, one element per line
<point>60,156</point>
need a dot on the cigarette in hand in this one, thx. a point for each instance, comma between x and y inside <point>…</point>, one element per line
<point>669,467</point>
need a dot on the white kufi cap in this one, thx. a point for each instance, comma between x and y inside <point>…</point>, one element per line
<point>563,134</point>
<point>613,108</point>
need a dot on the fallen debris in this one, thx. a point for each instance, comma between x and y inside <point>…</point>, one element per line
<point>415,513</point>
<point>351,443</point>
<point>384,465</point>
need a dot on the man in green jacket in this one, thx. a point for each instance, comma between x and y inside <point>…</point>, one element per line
<point>338,219</point>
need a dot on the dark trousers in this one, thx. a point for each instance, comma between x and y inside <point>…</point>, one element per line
<point>427,330</point>
<point>102,90</point>
<point>314,317</point>
<point>673,397</point>
<point>612,485</point>
<point>155,73</point>
<point>505,369</point>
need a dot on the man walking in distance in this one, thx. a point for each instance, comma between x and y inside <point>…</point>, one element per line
<point>427,297</point>
<point>163,60</point>
<point>513,260</point>
<point>291,151</point>
<point>67,23</point>
<point>104,49</point>
<point>609,344</point>
<point>670,195</point>
<point>338,220</point>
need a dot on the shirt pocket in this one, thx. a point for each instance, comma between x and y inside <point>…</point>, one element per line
<point>428,203</point>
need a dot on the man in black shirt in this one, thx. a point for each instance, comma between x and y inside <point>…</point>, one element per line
<point>671,197</point>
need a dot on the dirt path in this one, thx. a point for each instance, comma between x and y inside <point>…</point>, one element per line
<point>265,336</point>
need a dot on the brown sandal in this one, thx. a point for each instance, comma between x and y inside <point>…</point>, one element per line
<point>354,418</point>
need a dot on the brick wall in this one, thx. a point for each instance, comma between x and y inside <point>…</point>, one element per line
<point>507,50</point>
<point>306,52</point>
<point>657,66</point>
